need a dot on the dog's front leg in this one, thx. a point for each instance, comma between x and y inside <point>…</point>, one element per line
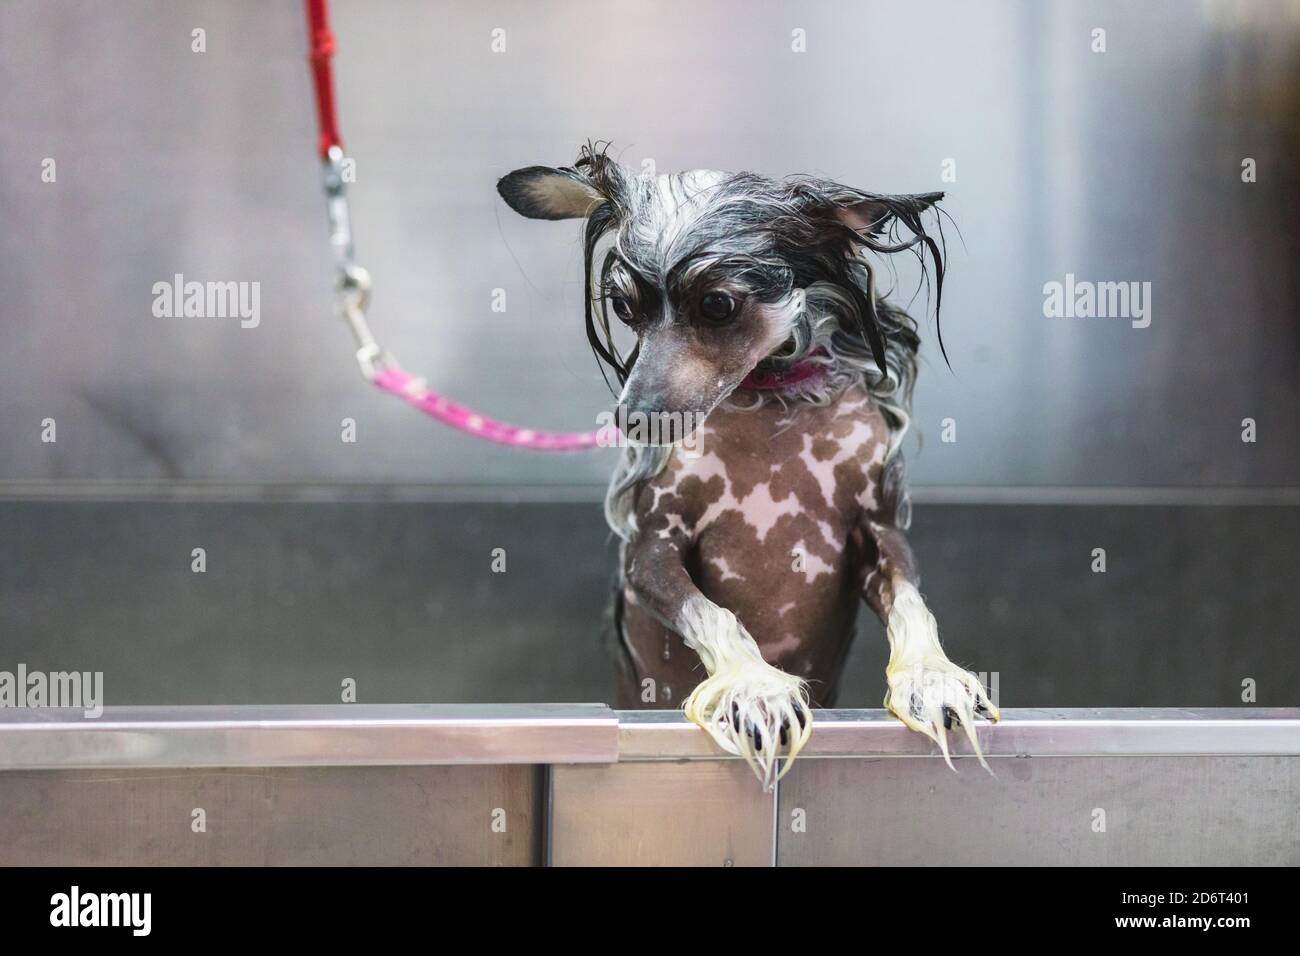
<point>749,707</point>
<point>926,691</point>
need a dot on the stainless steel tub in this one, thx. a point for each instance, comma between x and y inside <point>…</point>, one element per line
<point>581,784</point>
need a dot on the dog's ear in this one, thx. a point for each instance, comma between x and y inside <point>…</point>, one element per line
<point>883,225</point>
<point>870,214</point>
<point>543,192</point>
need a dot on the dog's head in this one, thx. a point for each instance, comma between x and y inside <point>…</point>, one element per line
<point>716,272</point>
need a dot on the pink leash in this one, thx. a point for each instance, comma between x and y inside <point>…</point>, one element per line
<point>354,292</point>
<point>415,393</point>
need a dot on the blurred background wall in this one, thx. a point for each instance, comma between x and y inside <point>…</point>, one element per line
<point>1123,165</point>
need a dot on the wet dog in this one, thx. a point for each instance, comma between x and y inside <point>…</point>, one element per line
<point>760,334</point>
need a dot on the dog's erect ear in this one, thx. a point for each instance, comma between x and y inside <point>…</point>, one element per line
<point>880,224</point>
<point>872,214</point>
<point>543,192</point>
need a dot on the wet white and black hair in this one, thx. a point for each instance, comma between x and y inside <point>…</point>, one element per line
<point>778,241</point>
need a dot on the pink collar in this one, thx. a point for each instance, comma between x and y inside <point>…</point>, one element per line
<point>773,380</point>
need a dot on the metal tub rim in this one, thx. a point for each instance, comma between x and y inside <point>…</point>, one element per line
<point>398,734</point>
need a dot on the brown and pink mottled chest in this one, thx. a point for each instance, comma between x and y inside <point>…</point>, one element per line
<point>767,515</point>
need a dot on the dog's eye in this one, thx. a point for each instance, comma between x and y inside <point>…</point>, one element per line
<point>717,306</point>
<point>622,308</point>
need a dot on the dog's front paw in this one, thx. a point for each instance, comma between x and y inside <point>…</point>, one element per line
<point>750,708</point>
<point>755,711</point>
<point>927,691</point>
<point>932,694</point>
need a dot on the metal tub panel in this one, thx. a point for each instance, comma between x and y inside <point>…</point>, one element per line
<point>581,785</point>
<point>273,816</point>
<point>295,589</point>
<point>1167,811</point>
<point>689,813</point>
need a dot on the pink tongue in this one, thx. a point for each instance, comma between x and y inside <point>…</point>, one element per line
<point>770,380</point>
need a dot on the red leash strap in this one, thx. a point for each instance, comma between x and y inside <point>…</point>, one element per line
<point>321,42</point>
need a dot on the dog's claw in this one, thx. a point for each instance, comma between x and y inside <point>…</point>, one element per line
<point>950,717</point>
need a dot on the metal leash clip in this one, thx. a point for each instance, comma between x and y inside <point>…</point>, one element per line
<point>353,282</point>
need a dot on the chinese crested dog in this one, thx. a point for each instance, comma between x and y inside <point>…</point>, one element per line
<point>758,323</point>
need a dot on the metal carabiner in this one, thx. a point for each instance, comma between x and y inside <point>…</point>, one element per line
<point>354,297</point>
<point>352,282</point>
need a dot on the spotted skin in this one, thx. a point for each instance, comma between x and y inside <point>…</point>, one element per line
<point>749,559</point>
<point>786,517</point>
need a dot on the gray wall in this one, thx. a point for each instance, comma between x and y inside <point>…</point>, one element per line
<point>1116,166</point>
